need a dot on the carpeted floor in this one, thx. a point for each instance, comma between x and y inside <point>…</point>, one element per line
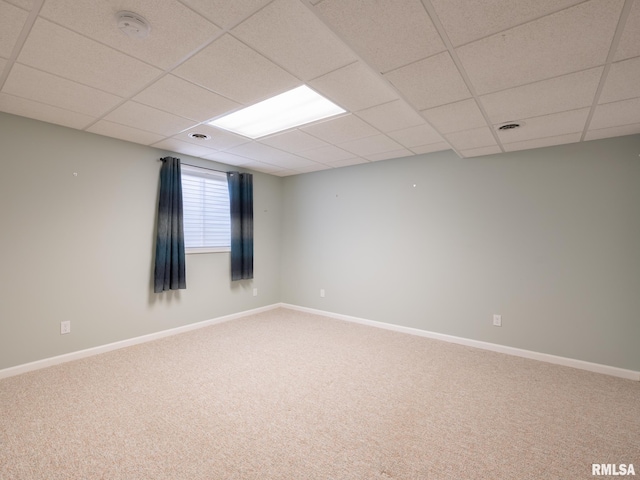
<point>290,395</point>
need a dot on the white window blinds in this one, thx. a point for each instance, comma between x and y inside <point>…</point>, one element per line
<point>205,199</point>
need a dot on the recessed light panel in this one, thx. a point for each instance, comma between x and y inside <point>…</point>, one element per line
<point>287,110</point>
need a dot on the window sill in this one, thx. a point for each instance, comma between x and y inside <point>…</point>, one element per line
<point>191,251</point>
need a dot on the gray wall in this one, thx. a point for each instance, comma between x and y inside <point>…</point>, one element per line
<point>81,248</point>
<point>549,238</point>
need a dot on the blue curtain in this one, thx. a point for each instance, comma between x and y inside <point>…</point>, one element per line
<point>241,205</point>
<point>170,259</point>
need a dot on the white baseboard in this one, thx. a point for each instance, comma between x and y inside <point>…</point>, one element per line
<point>543,357</point>
<point>48,362</point>
<point>494,347</point>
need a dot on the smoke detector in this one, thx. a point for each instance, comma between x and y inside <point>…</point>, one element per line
<point>133,24</point>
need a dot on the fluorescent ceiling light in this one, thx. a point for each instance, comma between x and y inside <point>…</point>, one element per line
<point>287,110</point>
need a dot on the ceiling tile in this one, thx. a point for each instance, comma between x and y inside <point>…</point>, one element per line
<point>135,115</point>
<point>430,82</point>
<point>371,145</point>
<point>376,157</point>
<point>231,69</point>
<point>220,139</point>
<point>432,147</point>
<point>303,46</point>
<point>295,141</point>
<point>543,142</point>
<point>341,129</point>
<point>229,158</point>
<point>615,114</point>
<point>354,87</point>
<point>291,162</point>
<point>386,34</point>
<point>629,45</point>
<point>573,39</point>
<point>266,168</point>
<point>568,92</point>
<point>316,167</point>
<point>123,132</point>
<point>186,148</point>
<point>24,4</point>
<point>454,117</point>
<point>391,116</point>
<point>62,52</point>
<point>285,173</point>
<point>45,113</point>
<point>623,81</point>
<point>282,173</point>
<point>416,136</point>
<point>468,139</point>
<point>480,151</point>
<point>347,162</point>
<point>175,95</point>
<point>176,31</point>
<point>465,21</point>
<point>274,156</point>
<point>12,20</point>
<point>546,126</point>
<point>327,154</point>
<point>43,87</point>
<point>613,132</point>
<point>224,13</point>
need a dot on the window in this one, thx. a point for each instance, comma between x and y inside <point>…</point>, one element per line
<point>205,199</point>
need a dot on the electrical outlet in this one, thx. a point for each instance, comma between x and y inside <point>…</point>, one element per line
<point>497,320</point>
<point>322,292</point>
<point>255,292</point>
<point>65,327</point>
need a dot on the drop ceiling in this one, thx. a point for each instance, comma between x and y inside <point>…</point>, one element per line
<point>415,76</point>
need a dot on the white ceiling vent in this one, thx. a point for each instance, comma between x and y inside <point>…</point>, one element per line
<point>200,136</point>
<point>133,24</point>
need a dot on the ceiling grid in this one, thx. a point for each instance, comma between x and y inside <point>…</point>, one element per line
<point>415,76</point>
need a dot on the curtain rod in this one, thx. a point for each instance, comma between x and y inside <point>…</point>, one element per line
<point>196,166</point>
<point>204,168</point>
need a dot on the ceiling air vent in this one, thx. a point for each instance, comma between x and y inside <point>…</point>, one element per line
<point>510,126</point>
<point>200,136</point>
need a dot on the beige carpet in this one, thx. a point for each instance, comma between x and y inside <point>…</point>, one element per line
<point>289,395</point>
